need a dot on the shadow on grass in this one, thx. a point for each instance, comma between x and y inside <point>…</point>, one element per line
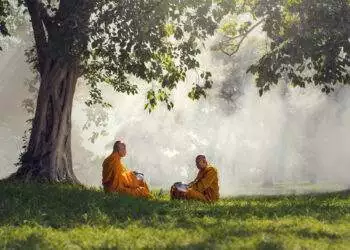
<point>64,206</point>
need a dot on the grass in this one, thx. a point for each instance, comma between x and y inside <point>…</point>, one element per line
<point>71,217</point>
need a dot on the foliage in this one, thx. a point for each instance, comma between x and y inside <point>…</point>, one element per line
<point>4,7</point>
<point>156,41</point>
<point>309,41</point>
<point>78,217</point>
<point>12,21</point>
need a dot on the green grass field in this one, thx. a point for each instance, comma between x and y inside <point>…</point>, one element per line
<point>71,217</point>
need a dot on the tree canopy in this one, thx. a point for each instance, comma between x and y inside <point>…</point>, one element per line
<point>308,41</point>
<point>156,41</point>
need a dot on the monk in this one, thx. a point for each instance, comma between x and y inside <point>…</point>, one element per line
<point>116,178</point>
<point>204,188</point>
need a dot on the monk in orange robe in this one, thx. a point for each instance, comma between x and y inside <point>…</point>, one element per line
<point>116,178</point>
<point>204,188</point>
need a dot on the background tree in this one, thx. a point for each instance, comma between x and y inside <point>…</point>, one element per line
<point>308,41</point>
<point>105,41</point>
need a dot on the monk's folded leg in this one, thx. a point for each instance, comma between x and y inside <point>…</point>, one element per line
<point>193,194</point>
<point>142,192</point>
<point>135,192</point>
<point>144,185</point>
<point>131,186</point>
<point>131,181</point>
<point>128,179</point>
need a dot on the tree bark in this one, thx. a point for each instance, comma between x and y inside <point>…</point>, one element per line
<point>48,156</point>
<point>59,47</point>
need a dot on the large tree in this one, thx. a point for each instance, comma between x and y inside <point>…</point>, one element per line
<point>106,41</point>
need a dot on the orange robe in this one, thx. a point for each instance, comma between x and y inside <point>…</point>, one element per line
<point>204,188</point>
<point>116,178</point>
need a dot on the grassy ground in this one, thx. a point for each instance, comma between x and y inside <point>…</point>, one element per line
<point>67,217</point>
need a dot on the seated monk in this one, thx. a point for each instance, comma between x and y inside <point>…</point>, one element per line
<point>116,178</point>
<point>204,188</point>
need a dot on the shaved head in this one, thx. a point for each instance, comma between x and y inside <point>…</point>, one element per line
<point>120,148</point>
<point>116,145</point>
<point>200,157</point>
<point>201,162</point>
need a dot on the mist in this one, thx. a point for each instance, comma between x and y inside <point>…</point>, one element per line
<point>290,140</point>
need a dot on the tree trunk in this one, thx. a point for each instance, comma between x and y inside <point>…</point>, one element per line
<point>48,157</point>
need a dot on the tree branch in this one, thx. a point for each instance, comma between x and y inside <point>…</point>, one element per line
<point>35,9</point>
<point>243,36</point>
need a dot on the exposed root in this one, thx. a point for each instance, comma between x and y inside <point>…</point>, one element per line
<point>28,174</point>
